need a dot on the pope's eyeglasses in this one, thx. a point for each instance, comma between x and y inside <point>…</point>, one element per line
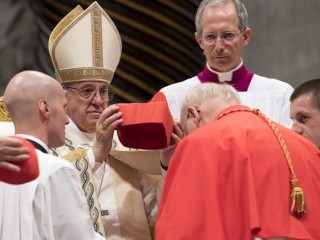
<point>89,92</point>
<point>225,36</point>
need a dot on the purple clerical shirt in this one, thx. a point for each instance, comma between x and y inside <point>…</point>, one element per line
<point>241,78</point>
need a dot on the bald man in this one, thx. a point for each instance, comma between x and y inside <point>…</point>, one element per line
<point>40,209</point>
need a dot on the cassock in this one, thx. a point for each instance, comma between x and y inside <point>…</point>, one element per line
<point>230,180</point>
<point>271,96</point>
<point>50,207</point>
<point>128,197</point>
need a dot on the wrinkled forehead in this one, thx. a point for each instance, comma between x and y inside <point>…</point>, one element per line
<point>92,84</point>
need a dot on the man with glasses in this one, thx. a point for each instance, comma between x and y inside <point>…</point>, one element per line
<point>222,32</point>
<point>85,48</point>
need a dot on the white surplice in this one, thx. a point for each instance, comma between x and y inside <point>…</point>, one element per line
<point>271,96</point>
<point>51,207</point>
<point>130,186</point>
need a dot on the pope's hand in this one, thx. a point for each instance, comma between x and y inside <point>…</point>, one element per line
<point>109,120</point>
<point>11,150</point>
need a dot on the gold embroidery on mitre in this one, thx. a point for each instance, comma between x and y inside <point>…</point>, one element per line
<point>85,73</point>
<point>63,24</point>
<point>4,114</point>
<point>75,155</point>
<point>101,72</point>
<point>97,37</point>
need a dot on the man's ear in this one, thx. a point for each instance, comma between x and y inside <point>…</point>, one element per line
<point>44,108</point>
<point>198,39</point>
<point>246,36</point>
<point>195,114</point>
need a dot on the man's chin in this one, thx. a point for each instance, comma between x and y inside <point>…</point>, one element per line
<point>94,115</point>
<point>92,124</point>
<point>89,126</point>
<point>222,66</point>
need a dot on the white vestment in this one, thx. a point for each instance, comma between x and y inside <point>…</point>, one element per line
<point>50,207</point>
<point>128,184</point>
<point>271,96</point>
<point>128,195</point>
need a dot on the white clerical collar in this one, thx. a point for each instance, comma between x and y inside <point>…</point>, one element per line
<point>79,137</point>
<point>225,76</point>
<point>37,140</point>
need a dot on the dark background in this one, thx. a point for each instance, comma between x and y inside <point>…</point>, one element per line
<point>158,40</point>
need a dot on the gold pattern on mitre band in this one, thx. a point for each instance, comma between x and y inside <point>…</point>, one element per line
<point>85,74</point>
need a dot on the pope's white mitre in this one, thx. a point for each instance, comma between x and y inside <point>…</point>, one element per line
<point>85,46</point>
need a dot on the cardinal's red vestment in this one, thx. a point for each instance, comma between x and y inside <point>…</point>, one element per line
<point>230,180</point>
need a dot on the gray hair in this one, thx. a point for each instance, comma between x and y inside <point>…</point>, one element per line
<point>203,93</point>
<point>242,14</point>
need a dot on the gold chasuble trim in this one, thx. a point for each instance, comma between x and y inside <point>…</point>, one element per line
<point>4,114</point>
<point>79,160</point>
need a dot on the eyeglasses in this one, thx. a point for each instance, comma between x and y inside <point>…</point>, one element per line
<point>225,36</point>
<point>89,92</point>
